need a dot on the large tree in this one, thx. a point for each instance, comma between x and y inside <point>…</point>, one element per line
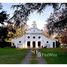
<point>56,22</point>
<point>3,17</point>
<point>22,11</point>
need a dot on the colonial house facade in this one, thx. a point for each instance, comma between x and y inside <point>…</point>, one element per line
<point>33,39</point>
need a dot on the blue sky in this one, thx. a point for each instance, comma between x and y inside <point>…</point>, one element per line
<point>39,18</point>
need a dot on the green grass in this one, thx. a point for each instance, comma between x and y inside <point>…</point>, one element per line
<point>12,55</point>
<point>59,55</point>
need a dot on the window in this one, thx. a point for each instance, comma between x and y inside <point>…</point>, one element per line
<point>39,37</point>
<point>47,41</point>
<point>34,43</point>
<point>34,37</point>
<point>28,37</point>
<point>19,41</point>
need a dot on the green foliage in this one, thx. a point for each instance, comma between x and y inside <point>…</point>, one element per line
<point>12,55</point>
<point>59,59</point>
<point>57,20</point>
<point>23,11</point>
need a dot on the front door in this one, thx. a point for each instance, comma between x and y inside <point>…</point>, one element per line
<point>28,44</point>
<point>33,43</point>
<point>39,43</point>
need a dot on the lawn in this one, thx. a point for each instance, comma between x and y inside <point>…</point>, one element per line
<point>12,55</point>
<point>54,55</point>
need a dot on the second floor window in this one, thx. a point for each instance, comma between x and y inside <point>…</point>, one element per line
<point>28,37</point>
<point>34,37</point>
<point>19,41</point>
<point>39,37</point>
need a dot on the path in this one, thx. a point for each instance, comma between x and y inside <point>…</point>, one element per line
<point>28,57</point>
<point>41,60</point>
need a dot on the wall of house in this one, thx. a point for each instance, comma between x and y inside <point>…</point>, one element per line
<point>22,41</point>
<point>19,42</point>
<point>47,42</point>
<point>33,35</point>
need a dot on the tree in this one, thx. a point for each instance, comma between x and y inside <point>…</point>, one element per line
<point>3,30</point>
<point>3,16</point>
<point>20,31</point>
<point>23,10</point>
<point>45,31</point>
<point>64,37</point>
<point>3,33</point>
<point>57,21</point>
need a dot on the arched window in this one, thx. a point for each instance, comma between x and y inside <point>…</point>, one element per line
<point>28,44</point>
<point>39,43</point>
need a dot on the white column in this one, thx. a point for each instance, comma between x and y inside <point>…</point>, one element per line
<point>25,45</point>
<point>30,44</point>
<point>36,44</point>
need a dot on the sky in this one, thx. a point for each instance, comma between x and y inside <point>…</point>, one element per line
<point>40,19</point>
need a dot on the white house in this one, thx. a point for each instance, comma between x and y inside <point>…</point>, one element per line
<point>33,39</point>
